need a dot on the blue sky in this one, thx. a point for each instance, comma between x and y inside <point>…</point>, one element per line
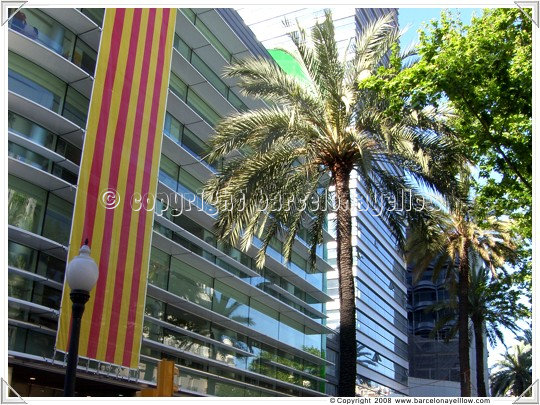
<point>415,17</point>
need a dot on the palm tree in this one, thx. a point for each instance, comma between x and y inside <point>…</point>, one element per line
<point>514,373</point>
<point>493,305</point>
<point>453,234</point>
<point>314,133</point>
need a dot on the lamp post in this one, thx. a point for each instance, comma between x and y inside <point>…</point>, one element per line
<point>81,275</point>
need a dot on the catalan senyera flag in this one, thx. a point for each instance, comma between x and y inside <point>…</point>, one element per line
<point>120,159</point>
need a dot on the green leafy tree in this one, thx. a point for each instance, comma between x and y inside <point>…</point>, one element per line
<point>451,232</point>
<point>483,71</point>
<point>315,132</point>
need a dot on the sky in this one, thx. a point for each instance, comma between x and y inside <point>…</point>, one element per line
<point>415,17</point>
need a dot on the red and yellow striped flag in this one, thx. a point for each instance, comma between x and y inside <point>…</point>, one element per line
<point>121,154</point>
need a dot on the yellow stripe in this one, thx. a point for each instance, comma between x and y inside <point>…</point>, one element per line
<point>86,163</point>
<point>165,71</point>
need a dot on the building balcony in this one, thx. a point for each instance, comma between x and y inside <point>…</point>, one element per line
<point>50,60</point>
<point>170,298</point>
<point>208,52</point>
<point>37,242</point>
<point>193,78</point>
<point>45,180</point>
<point>78,23</point>
<point>213,270</point>
<point>46,117</point>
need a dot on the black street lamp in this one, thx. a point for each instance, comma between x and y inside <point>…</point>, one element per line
<point>81,275</point>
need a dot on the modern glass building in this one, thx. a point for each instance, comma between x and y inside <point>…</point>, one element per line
<point>232,329</point>
<point>434,358</point>
<point>379,268</point>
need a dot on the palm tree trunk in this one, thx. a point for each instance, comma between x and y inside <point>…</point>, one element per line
<point>479,343</point>
<point>463,322</point>
<point>347,300</point>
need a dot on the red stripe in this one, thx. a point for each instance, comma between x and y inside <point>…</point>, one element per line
<point>130,185</point>
<point>97,159</point>
<point>116,156</point>
<point>141,229</point>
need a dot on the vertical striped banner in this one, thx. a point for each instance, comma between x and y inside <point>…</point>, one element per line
<point>120,159</point>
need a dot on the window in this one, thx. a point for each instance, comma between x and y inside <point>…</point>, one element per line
<point>26,205</point>
<point>178,87</point>
<point>57,224</point>
<point>158,272</point>
<point>190,284</point>
<point>76,107</point>
<point>43,29</point>
<point>291,332</point>
<point>168,172</point>
<point>264,319</point>
<point>35,83</point>
<point>32,158</point>
<point>231,303</point>
<point>331,356</point>
<point>202,108</point>
<point>95,14</point>
<point>173,128</point>
<point>30,130</point>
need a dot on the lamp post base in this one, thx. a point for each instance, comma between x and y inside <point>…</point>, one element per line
<point>79,299</point>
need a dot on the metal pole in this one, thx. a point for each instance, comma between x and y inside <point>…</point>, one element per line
<point>79,298</point>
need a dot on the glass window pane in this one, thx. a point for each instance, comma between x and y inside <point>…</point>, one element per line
<point>230,303</point>
<point>291,332</point>
<point>21,257</point>
<point>35,83</point>
<point>178,87</point>
<point>40,344</point>
<point>76,107</point>
<point>182,47</point>
<point>158,272</point>
<point>168,172</point>
<point>188,321</point>
<point>85,57</point>
<point>68,150</point>
<point>154,308</point>
<point>23,126</point>
<point>190,284</point>
<point>57,224</point>
<point>190,182</point>
<point>40,27</point>
<point>264,319</point>
<point>26,205</point>
<point>213,40</point>
<point>236,102</point>
<point>189,13</point>
<point>19,287</point>
<point>201,108</point>
<point>46,296</point>
<point>51,267</point>
<point>173,128</point>
<point>193,144</point>
<point>95,14</point>
<point>27,156</point>
<point>209,74</point>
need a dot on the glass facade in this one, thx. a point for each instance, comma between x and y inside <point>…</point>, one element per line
<point>216,357</point>
<point>42,87</point>
<point>46,31</point>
